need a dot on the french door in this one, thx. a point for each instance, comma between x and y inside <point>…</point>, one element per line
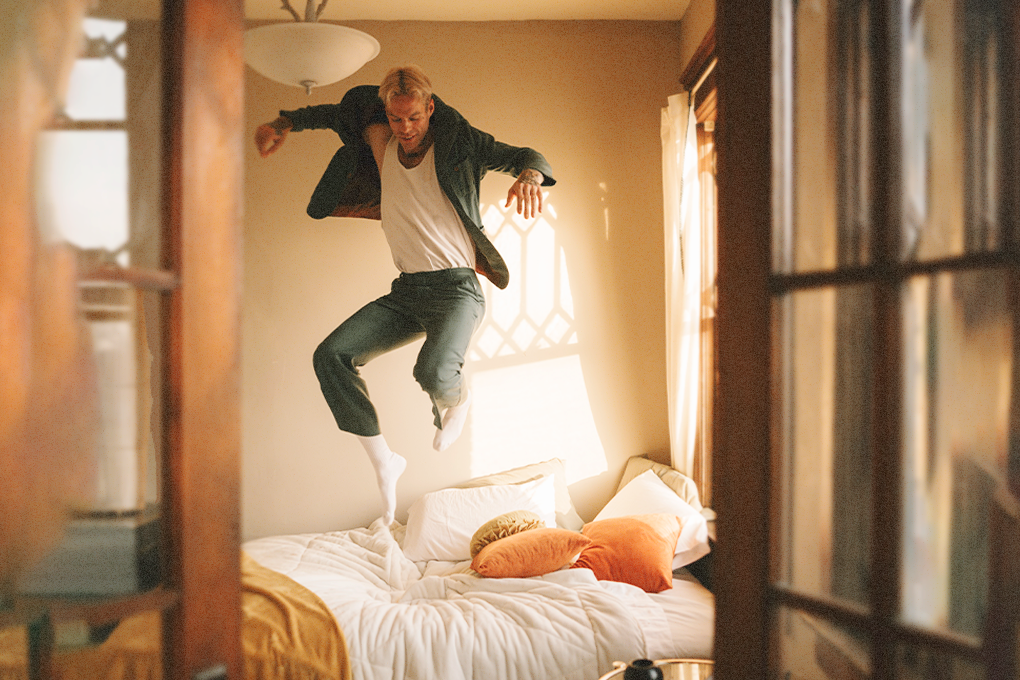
<point>867,457</point>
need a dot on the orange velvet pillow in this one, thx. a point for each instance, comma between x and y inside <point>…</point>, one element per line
<point>636,549</point>
<point>529,553</point>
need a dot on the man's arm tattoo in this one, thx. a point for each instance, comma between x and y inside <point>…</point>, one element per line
<point>531,176</point>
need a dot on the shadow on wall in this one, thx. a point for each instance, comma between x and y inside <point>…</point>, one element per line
<point>530,398</point>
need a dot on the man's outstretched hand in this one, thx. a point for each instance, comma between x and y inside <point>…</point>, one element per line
<point>269,136</point>
<point>528,192</point>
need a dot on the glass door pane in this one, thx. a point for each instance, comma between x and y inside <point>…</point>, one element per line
<point>958,374</point>
<point>952,54</point>
<point>100,174</point>
<point>810,647</point>
<point>917,662</point>
<point>823,435</point>
<point>825,220</point>
<point>99,191</point>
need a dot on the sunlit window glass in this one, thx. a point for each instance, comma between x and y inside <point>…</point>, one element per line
<point>83,187</point>
<point>96,90</point>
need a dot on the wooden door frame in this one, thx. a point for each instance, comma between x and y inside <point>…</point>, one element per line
<point>741,459</point>
<point>203,113</point>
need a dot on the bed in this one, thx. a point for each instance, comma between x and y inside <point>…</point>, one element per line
<point>411,609</point>
<point>497,578</point>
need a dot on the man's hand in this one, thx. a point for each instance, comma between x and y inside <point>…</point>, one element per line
<point>269,136</point>
<point>528,192</point>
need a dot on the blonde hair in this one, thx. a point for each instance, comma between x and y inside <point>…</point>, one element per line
<point>405,80</point>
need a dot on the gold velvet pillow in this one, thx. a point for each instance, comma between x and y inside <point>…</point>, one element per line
<point>529,553</point>
<point>636,549</point>
<point>507,524</point>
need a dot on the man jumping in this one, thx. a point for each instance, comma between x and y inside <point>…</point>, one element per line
<point>415,163</point>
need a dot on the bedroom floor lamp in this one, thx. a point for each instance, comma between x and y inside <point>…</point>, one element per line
<point>306,53</point>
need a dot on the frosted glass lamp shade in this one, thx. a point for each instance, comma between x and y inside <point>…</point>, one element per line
<point>307,53</point>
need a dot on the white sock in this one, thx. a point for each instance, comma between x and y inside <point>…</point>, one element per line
<point>388,468</point>
<point>453,424</point>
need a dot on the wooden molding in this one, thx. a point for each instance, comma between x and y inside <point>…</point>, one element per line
<point>702,56</point>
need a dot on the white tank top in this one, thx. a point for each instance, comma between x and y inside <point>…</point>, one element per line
<point>421,226</point>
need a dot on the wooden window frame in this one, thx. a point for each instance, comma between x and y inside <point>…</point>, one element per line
<point>699,77</point>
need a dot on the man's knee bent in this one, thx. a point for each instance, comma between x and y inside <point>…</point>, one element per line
<point>444,385</point>
<point>328,359</point>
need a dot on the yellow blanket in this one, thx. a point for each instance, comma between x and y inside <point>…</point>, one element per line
<point>287,634</point>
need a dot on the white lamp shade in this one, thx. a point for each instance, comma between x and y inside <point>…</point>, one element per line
<point>307,53</point>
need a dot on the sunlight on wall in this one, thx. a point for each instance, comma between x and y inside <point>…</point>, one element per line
<point>532,412</point>
<point>530,398</point>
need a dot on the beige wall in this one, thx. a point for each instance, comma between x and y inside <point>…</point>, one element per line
<point>586,94</point>
<point>698,19</point>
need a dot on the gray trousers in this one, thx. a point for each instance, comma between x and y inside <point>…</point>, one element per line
<point>444,306</point>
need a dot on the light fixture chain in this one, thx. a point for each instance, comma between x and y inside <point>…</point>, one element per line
<point>311,12</point>
<point>293,12</point>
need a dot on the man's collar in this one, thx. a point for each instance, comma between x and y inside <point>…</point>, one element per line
<point>442,123</point>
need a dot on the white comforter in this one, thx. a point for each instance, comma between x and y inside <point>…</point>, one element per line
<point>408,621</point>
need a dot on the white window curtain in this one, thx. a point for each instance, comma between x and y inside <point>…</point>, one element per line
<point>682,212</point>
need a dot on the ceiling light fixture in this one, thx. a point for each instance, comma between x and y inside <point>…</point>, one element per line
<point>306,53</point>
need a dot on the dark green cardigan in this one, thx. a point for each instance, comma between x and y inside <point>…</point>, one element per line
<point>350,184</point>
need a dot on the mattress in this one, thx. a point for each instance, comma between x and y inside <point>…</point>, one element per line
<point>423,620</point>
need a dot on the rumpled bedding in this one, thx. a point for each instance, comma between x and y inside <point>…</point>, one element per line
<point>418,621</point>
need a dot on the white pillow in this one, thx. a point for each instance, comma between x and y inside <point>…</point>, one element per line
<point>646,494</point>
<point>440,524</point>
<point>566,514</point>
<point>683,485</point>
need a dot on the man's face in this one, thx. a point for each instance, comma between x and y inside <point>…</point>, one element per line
<point>409,120</point>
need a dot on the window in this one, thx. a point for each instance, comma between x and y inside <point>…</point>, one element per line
<point>691,283</point>
<point>705,112</point>
<point>83,200</point>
